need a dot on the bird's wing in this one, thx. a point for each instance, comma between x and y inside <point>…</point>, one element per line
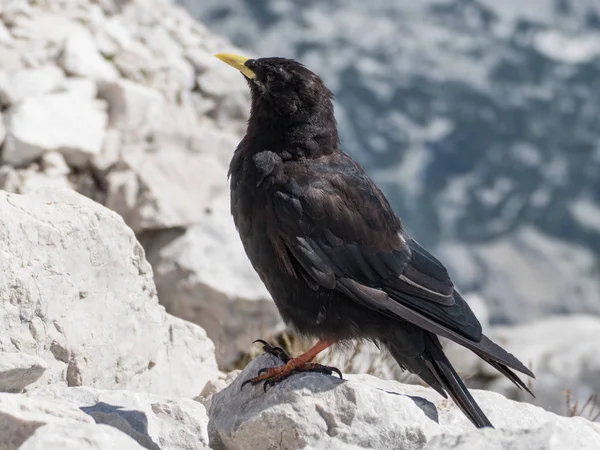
<point>340,233</point>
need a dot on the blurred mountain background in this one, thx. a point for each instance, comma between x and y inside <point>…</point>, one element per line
<point>478,118</point>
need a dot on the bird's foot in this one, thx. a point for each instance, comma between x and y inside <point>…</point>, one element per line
<point>270,376</point>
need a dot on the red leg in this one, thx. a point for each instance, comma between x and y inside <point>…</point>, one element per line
<point>301,363</point>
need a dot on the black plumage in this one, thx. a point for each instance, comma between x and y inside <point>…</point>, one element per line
<point>328,246</point>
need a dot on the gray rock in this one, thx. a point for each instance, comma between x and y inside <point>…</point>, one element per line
<point>77,291</point>
<point>320,411</point>
<point>55,122</point>
<point>18,370</point>
<point>154,422</point>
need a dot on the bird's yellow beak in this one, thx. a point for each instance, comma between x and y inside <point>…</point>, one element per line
<point>237,62</point>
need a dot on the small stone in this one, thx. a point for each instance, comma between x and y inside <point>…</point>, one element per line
<point>54,164</point>
<point>112,37</point>
<point>18,370</point>
<point>132,106</point>
<point>61,122</point>
<point>81,57</point>
<point>18,85</point>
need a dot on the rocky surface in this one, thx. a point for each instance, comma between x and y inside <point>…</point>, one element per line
<point>547,436</point>
<point>319,411</point>
<point>124,102</point>
<point>74,280</point>
<point>30,424</point>
<point>202,276</point>
<point>154,422</point>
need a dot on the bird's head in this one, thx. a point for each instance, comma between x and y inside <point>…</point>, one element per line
<point>283,89</point>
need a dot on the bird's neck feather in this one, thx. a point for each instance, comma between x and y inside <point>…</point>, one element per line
<point>310,136</point>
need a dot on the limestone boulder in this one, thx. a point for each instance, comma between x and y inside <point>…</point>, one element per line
<point>77,291</point>
<point>318,411</point>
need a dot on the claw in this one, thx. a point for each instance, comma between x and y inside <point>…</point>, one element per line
<point>245,383</point>
<point>261,342</point>
<point>261,371</point>
<point>338,371</point>
<point>268,382</point>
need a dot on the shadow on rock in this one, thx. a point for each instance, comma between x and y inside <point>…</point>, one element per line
<point>134,423</point>
<point>425,405</point>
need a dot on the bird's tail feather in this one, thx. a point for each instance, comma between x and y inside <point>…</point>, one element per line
<point>446,375</point>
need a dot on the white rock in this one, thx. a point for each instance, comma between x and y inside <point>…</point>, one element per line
<point>546,437</point>
<point>153,421</point>
<point>22,181</point>
<point>204,276</point>
<point>5,36</point>
<point>18,370</point>
<point>19,409</point>
<point>178,166</point>
<point>80,87</point>
<point>51,29</point>
<point>54,423</point>
<point>55,122</point>
<point>112,37</point>
<point>321,411</point>
<point>136,62</point>
<point>110,154</point>
<point>76,290</point>
<point>214,386</point>
<point>24,83</point>
<point>79,437</point>
<point>81,57</point>
<point>132,105</point>
<point>11,57</point>
<point>54,164</point>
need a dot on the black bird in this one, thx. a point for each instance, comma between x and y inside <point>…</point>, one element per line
<point>330,249</point>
